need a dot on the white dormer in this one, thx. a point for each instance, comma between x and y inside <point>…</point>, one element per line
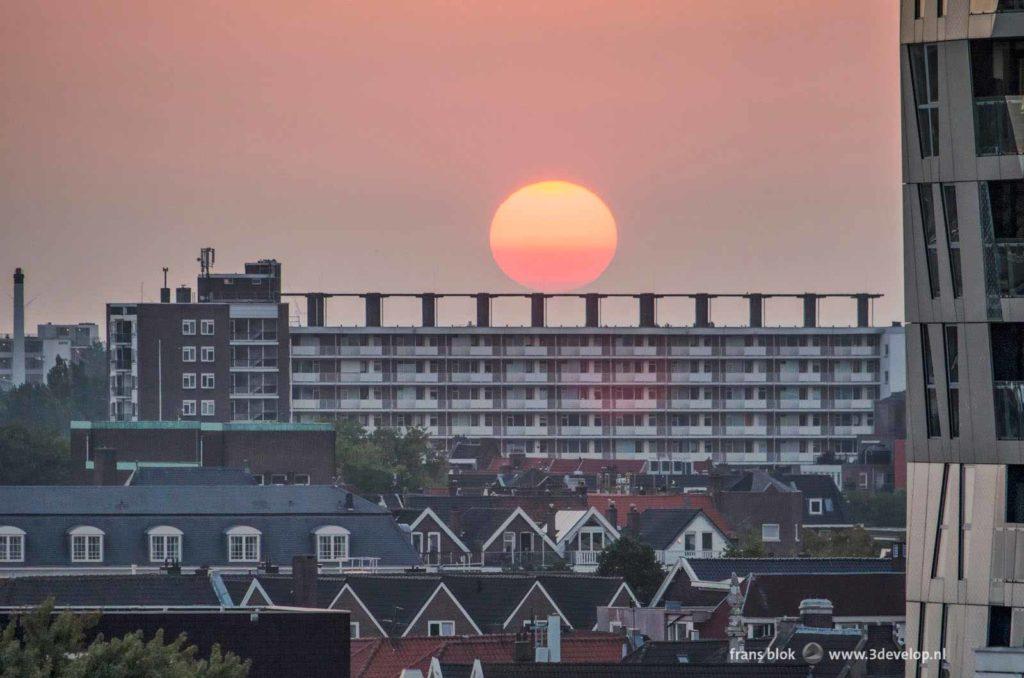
<point>12,544</point>
<point>332,543</point>
<point>165,543</point>
<point>244,544</point>
<point>86,544</point>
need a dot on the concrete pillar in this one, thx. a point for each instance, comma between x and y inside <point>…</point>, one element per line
<point>647,313</point>
<point>315,304</point>
<point>18,354</point>
<point>483,309</point>
<point>810,309</point>
<point>429,303</point>
<point>702,306</point>
<point>863,310</point>
<point>373,309</point>
<point>756,310</point>
<point>537,300</point>
<point>593,309</point>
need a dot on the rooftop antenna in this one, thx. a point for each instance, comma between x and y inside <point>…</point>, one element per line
<point>165,269</point>
<point>207,256</point>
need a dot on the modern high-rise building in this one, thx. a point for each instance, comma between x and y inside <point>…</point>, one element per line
<point>962,92</point>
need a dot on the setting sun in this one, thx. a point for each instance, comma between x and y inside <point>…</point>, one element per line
<point>553,236</point>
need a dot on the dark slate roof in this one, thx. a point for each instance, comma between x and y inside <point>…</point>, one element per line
<point>445,505</point>
<point>721,569</point>
<point>660,527</point>
<point>285,515</point>
<point>488,598</point>
<point>280,588</point>
<point>875,594</point>
<point>477,525</point>
<point>704,651</point>
<point>182,500</point>
<point>563,670</point>
<point>150,475</point>
<point>578,596</point>
<point>109,590</point>
<point>382,594</point>
<point>831,640</point>
<point>820,487</point>
<point>759,481</point>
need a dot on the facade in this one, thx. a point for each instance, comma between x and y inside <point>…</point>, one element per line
<point>963,197</point>
<point>273,453</point>
<point>743,395</point>
<point>42,350</point>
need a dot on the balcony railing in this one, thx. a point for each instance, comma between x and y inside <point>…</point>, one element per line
<point>583,557</point>
<point>1009,406</point>
<point>999,125</point>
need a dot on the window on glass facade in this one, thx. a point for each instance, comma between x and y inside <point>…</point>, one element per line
<point>949,213</point>
<point>996,70</point>
<point>924,71</point>
<point>952,348</point>
<point>1007,341</point>
<point>931,400</point>
<point>1002,204</point>
<point>926,200</point>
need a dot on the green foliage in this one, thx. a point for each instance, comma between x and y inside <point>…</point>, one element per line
<point>877,509</point>
<point>633,561</point>
<point>43,645</point>
<point>749,545</point>
<point>853,542</point>
<point>72,391</point>
<point>388,460</point>
<point>33,457</point>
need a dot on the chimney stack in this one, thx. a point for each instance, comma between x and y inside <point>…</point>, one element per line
<point>613,514</point>
<point>816,613</point>
<point>165,291</point>
<point>104,466</point>
<point>633,521</point>
<point>304,576</point>
<point>18,355</point>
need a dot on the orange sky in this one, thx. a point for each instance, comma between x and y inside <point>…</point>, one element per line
<point>740,145</point>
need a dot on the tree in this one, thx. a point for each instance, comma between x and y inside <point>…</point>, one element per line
<point>633,561</point>
<point>747,546</point>
<point>41,644</point>
<point>33,457</point>
<point>388,460</point>
<point>853,542</point>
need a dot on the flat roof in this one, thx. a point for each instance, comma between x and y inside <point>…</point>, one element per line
<point>199,426</point>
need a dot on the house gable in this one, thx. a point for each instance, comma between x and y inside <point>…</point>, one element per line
<point>537,603</point>
<point>428,521</point>
<point>518,522</point>
<point>256,596</point>
<point>347,599</point>
<point>442,606</point>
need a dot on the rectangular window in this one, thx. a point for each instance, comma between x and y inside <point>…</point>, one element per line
<point>208,408</point>
<point>417,542</point>
<point>769,532</point>
<point>952,351</point>
<point>949,214</point>
<point>931,401</point>
<point>996,71</point>
<point>1007,340</point>
<point>208,380</point>
<point>12,548</point>
<point>164,548</point>
<point>814,507</point>
<point>206,354</point>
<point>301,479</point>
<point>940,523</point>
<point>188,408</point>
<point>244,548</point>
<point>926,199</point>
<point>440,628</point>
<point>924,73</point>
<point>1015,493</point>
<point>353,629</point>
<point>332,547</point>
<point>961,525</point>
<point>188,380</point>
<point>707,541</point>
<point>508,542</point>
<point>206,327</point>
<point>433,542</point>
<point>999,618</point>
<point>87,548</point>
<point>188,327</point>
<point>188,354</point>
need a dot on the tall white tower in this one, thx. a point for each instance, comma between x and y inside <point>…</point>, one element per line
<point>18,354</point>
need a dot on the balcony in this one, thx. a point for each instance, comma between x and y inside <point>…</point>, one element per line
<point>582,404</point>
<point>472,404</point>
<point>1009,407</point>
<point>540,351</point>
<point>644,405</point>
<point>790,430</point>
<point>415,404</point>
<point>691,404</point>
<point>635,377</point>
<point>746,430</point>
<point>798,404</point>
<point>691,430</point>
<point>746,404</point>
<point>684,377</point>
<point>580,377</point>
<point>473,377</point>
<point>584,558</point>
<point>691,350</point>
<point>999,125</point>
<point>362,564</point>
<point>630,351</point>
<point>1009,262</point>
<point>636,430</point>
<point>526,430</point>
<point>854,404</point>
<point>460,430</point>
<point>522,404</point>
<point>581,430</point>
<point>526,377</point>
<point>417,377</point>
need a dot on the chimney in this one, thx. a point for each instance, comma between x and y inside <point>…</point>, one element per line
<point>613,514</point>
<point>18,355</point>
<point>898,555</point>
<point>165,291</point>
<point>304,574</point>
<point>183,295</point>
<point>553,647</point>
<point>104,466</point>
<point>349,502</point>
<point>551,527</point>
<point>522,649</point>
<point>633,521</point>
<point>816,613</point>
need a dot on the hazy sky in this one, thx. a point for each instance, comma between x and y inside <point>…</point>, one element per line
<point>741,145</point>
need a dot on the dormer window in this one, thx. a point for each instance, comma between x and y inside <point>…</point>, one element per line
<point>814,507</point>
<point>12,544</point>
<point>164,544</point>
<point>331,543</point>
<point>244,544</point>
<point>86,544</point>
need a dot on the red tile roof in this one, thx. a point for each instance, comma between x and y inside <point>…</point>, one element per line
<point>563,466</point>
<point>387,657</point>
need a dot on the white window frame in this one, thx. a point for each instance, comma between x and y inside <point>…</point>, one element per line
<point>188,408</point>
<point>164,536</point>
<point>188,328</point>
<point>206,327</point>
<point>208,408</point>
<point>417,542</point>
<point>353,630</point>
<point>439,626</point>
<point>89,537</point>
<point>820,504</point>
<point>207,354</point>
<point>301,479</point>
<point>188,381</point>
<point>208,381</point>
<point>332,543</point>
<point>10,535</point>
<point>188,354</point>
<point>244,536</point>
<point>433,538</point>
<point>764,532</point>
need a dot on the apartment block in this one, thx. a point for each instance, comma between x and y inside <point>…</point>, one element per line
<point>962,89</point>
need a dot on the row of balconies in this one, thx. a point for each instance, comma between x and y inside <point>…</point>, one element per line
<point>594,405</point>
<point>587,378</point>
<point>305,351</point>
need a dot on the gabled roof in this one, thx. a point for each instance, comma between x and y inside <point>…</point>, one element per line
<point>578,596</point>
<point>483,519</point>
<point>877,594</point>
<point>757,480</point>
<point>619,670</point>
<point>569,523</point>
<point>820,487</point>
<point>429,513</point>
<point>445,592</point>
<point>644,502</point>
<point>489,598</point>
<point>721,569</point>
<point>660,527</point>
<point>394,601</point>
<point>703,651</point>
<point>99,591</point>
